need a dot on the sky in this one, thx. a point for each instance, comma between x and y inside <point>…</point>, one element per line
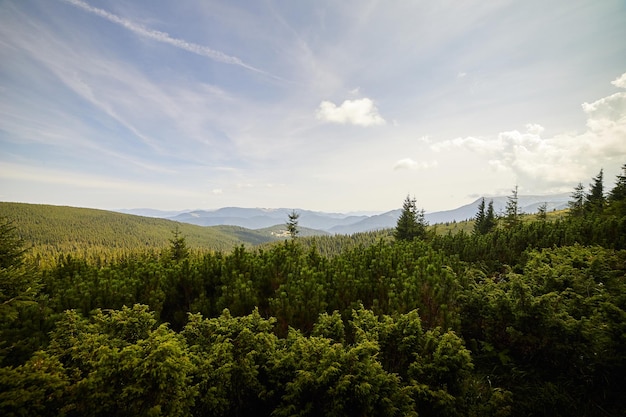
<point>337,106</point>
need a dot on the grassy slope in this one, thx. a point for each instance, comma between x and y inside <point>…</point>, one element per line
<point>468,225</point>
<point>60,228</point>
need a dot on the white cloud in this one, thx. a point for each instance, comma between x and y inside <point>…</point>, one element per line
<point>534,128</point>
<point>606,113</point>
<point>361,112</point>
<point>560,159</point>
<point>217,191</point>
<point>620,81</point>
<point>424,139</point>
<point>480,145</point>
<point>408,163</point>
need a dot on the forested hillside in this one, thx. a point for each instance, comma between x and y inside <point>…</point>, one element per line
<point>515,318</point>
<point>59,229</point>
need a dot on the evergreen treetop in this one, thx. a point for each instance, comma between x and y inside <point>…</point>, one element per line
<point>411,223</point>
<point>292,224</point>
<point>617,196</point>
<point>485,220</point>
<point>480,217</point>
<point>542,212</point>
<point>577,202</point>
<point>490,218</point>
<point>178,246</point>
<point>594,200</point>
<point>512,212</point>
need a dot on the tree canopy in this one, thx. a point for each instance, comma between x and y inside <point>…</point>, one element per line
<point>522,320</point>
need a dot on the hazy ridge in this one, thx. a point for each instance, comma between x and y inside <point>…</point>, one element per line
<point>339,223</point>
<point>72,228</point>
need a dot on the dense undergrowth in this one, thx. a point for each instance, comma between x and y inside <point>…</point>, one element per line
<point>524,320</point>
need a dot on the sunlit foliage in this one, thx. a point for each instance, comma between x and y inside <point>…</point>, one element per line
<point>528,319</point>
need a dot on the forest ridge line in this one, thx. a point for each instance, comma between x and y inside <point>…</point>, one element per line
<point>342,223</point>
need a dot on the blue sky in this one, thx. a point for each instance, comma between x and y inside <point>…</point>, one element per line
<point>323,105</point>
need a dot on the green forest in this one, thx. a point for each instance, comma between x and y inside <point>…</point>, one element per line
<point>516,315</point>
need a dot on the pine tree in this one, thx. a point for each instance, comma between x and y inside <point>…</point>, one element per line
<point>577,202</point>
<point>19,286</point>
<point>479,220</point>
<point>178,246</point>
<point>411,223</point>
<point>594,201</point>
<point>542,212</point>
<point>511,212</point>
<point>617,196</point>
<point>485,221</point>
<point>292,224</point>
<point>490,218</point>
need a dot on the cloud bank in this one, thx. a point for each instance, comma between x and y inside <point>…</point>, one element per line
<point>408,163</point>
<point>361,112</point>
<point>563,158</point>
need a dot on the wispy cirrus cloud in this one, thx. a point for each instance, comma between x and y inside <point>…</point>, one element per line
<point>126,103</point>
<point>361,112</point>
<point>164,37</point>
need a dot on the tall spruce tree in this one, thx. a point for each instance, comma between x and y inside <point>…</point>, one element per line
<point>485,220</point>
<point>421,223</point>
<point>411,223</point>
<point>577,203</point>
<point>595,201</point>
<point>19,286</point>
<point>617,196</point>
<point>178,246</point>
<point>292,224</point>
<point>490,218</point>
<point>479,220</point>
<point>512,212</point>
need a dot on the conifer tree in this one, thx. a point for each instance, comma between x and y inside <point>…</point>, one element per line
<point>617,196</point>
<point>577,202</point>
<point>485,220</point>
<point>542,212</point>
<point>479,220</point>
<point>421,222</point>
<point>292,224</point>
<point>594,201</point>
<point>19,285</point>
<point>490,218</point>
<point>178,246</point>
<point>511,212</point>
<point>411,223</point>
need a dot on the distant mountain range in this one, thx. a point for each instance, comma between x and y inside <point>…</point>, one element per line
<point>338,223</point>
